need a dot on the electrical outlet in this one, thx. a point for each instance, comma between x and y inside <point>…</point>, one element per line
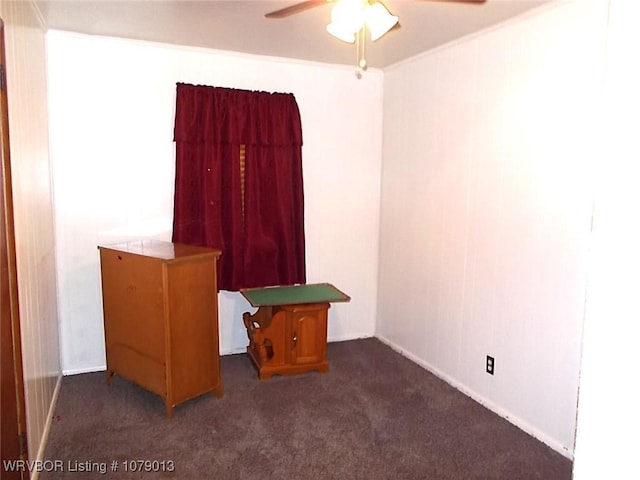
<point>491,363</point>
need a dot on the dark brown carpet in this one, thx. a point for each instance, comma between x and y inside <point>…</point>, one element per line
<point>375,415</point>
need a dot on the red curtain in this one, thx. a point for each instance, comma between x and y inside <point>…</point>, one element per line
<point>255,217</point>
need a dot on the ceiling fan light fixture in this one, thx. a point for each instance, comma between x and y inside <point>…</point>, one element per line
<point>347,18</point>
<point>379,20</point>
<point>351,18</point>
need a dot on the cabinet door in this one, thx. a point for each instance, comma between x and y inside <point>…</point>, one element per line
<point>309,336</point>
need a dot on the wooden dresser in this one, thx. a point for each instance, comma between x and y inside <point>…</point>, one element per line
<point>160,304</point>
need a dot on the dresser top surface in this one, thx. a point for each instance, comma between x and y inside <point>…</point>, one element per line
<point>160,249</point>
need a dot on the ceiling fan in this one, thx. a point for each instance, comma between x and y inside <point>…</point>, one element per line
<point>350,18</point>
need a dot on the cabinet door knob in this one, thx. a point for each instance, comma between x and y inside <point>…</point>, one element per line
<point>295,338</point>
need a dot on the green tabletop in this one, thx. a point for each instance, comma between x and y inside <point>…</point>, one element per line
<point>294,295</point>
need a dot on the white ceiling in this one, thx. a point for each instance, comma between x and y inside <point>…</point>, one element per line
<point>241,26</point>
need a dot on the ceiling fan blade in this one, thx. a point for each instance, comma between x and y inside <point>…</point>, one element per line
<point>297,8</point>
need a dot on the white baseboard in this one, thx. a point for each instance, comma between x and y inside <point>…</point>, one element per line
<point>233,351</point>
<point>346,338</point>
<point>495,408</point>
<point>78,371</point>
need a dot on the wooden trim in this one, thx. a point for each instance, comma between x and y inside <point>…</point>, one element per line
<point>13,406</point>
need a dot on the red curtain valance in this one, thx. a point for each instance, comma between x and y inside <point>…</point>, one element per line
<point>230,116</point>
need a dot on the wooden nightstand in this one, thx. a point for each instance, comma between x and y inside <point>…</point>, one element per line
<point>288,333</point>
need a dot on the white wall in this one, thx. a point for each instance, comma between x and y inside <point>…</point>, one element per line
<point>608,414</point>
<point>486,210</point>
<point>111,112</point>
<point>33,214</point>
